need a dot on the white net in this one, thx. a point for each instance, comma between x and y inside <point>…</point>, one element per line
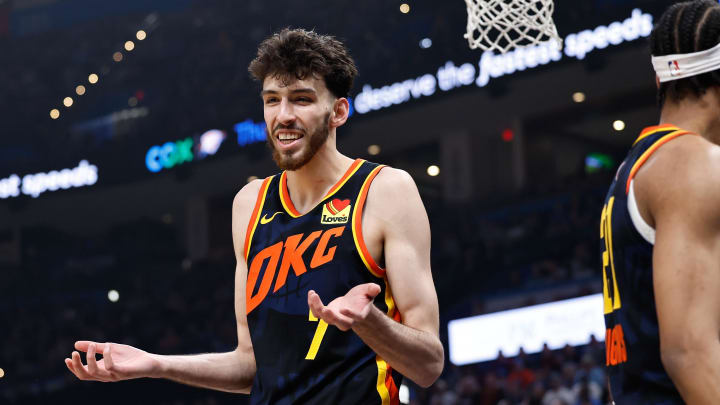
<point>501,25</point>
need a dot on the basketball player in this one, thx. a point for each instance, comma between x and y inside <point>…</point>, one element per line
<point>328,228</point>
<point>660,227</point>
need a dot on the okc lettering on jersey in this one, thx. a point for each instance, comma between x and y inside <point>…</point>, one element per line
<point>288,254</point>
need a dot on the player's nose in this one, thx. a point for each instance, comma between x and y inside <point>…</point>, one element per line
<point>286,113</point>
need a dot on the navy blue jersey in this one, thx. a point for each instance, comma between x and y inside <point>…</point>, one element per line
<point>632,339</point>
<point>301,360</point>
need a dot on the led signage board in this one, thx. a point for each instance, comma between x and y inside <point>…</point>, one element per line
<point>169,155</point>
<point>491,65</point>
<point>249,132</point>
<point>557,324</point>
<point>448,77</point>
<point>33,185</point>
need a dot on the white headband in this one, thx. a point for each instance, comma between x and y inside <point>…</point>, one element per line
<point>680,66</point>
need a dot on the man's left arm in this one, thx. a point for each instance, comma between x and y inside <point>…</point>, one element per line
<point>411,347</point>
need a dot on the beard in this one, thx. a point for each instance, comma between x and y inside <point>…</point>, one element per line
<point>286,161</point>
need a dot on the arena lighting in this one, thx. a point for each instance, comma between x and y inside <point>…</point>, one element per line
<point>68,101</point>
<point>557,324</point>
<point>578,97</point>
<point>404,8</point>
<point>618,125</point>
<point>129,46</point>
<point>80,90</point>
<point>425,43</point>
<point>140,35</point>
<point>113,296</point>
<point>33,185</point>
<point>433,170</point>
<point>92,78</point>
<point>374,150</point>
<point>54,113</point>
<point>491,66</point>
<point>2,373</point>
<point>117,56</point>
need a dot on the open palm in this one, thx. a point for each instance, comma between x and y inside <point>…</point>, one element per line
<point>344,311</point>
<point>119,362</point>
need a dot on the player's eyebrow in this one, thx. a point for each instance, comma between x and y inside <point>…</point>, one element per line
<point>295,91</point>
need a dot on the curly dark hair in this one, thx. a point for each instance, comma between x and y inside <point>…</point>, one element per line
<point>687,27</point>
<point>297,54</point>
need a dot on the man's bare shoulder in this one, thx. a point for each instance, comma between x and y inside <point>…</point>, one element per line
<point>247,195</point>
<point>391,182</point>
<point>393,195</point>
<point>685,172</point>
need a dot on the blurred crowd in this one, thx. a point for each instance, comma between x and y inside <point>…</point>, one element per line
<point>571,376</point>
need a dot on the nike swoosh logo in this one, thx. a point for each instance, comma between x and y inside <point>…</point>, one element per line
<point>264,220</point>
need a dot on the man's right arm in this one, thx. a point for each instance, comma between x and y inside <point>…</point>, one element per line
<point>232,371</point>
<point>683,197</point>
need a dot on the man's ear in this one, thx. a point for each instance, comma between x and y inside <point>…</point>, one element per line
<point>340,112</point>
<point>657,81</point>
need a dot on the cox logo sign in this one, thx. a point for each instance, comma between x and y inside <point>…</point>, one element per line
<point>169,155</point>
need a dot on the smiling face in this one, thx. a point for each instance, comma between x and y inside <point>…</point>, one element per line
<point>298,117</point>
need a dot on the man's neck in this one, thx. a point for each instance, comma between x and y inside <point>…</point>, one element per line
<point>699,115</point>
<point>309,184</point>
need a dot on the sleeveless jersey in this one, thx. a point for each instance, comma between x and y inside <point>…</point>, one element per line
<point>301,360</point>
<point>632,339</point>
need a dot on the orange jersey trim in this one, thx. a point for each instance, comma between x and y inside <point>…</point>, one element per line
<point>653,130</point>
<point>285,197</point>
<point>370,263</point>
<point>285,194</point>
<point>644,157</point>
<point>386,387</point>
<point>255,217</point>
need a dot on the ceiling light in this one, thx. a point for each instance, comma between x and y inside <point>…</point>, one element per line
<point>426,43</point>
<point>374,150</point>
<point>140,35</point>
<point>433,170</point>
<point>54,113</point>
<point>129,46</point>
<point>619,125</point>
<point>113,296</point>
<point>93,78</point>
<point>67,101</point>
<point>578,97</point>
<point>117,56</point>
<point>80,90</point>
<point>404,8</point>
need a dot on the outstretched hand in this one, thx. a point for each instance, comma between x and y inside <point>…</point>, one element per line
<point>345,311</point>
<point>119,362</point>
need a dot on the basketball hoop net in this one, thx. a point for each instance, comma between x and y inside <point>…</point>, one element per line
<point>501,25</point>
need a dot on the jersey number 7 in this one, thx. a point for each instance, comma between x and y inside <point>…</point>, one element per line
<point>317,339</point>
